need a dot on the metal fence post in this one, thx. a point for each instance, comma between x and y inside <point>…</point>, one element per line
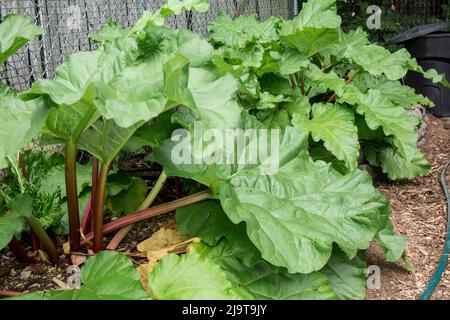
<point>295,8</point>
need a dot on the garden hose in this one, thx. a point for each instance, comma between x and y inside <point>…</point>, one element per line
<point>444,258</point>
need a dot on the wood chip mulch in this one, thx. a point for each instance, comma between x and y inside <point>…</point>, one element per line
<point>419,211</point>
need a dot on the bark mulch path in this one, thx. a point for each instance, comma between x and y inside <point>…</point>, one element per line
<point>419,212</point>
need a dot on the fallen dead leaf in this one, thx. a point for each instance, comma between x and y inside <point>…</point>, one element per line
<point>155,255</point>
<point>160,239</point>
<point>77,260</point>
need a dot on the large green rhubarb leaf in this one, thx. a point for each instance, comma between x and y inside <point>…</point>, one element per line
<point>314,14</point>
<point>54,179</point>
<point>108,275</point>
<point>188,277</point>
<point>21,121</point>
<point>377,60</point>
<point>11,222</point>
<point>347,277</point>
<point>395,91</point>
<point>264,281</point>
<point>208,221</point>
<point>73,79</point>
<point>178,6</point>
<point>310,41</point>
<point>188,158</point>
<point>213,101</point>
<point>15,31</point>
<point>379,111</point>
<point>295,216</point>
<point>320,81</point>
<point>104,139</point>
<point>137,95</point>
<point>128,200</point>
<point>243,30</point>
<point>335,126</point>
<point>393,163</point>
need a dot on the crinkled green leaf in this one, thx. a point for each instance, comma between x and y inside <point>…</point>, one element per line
<point>69,122</point>
<point>377,60</point>
<point>140,91</point>
<point>321,81</point>
<point>128,201</point>
<point>252,58</point>
<point>393,245</point>
<point>104,139</point>
<point>212,101</point>
<point>15,31</point>
<point>55,179</point>
<point>108,275</point>
<point>216,102</point>
<point>346,277</point>
<point>335,126</point>
<point>208,221</point>
<point>22,120</point>
<point>188,277</point>
<point>292,61</point>
<point>279,119</point>
<point>430,74</point>
<point>135,96</point>
<point>379,111</point>
<point>205,220</point>
<point>394,164</point>
<point>178,6</point>
<point>11,223</point>
<point>314,14</point>
<point>73,79</point>
<point>109,33</point>
<point>148,19</point>
<point>263,281</point>
<point>195,48</point>
<point>243,30</point>
<point>290,143</point>
<point>295,216</point>
<point>393,90</point>
<point>320,153</point>
<point>269,101</point>
<point>310,41</point>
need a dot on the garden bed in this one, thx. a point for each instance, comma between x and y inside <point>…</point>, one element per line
<point>419,212</point>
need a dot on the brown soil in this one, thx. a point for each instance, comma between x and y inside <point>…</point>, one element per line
<point>419,212</point>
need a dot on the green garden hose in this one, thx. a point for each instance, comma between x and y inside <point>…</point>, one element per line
<point>444,258</point>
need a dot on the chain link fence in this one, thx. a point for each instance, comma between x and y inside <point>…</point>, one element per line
<point>68,24</point>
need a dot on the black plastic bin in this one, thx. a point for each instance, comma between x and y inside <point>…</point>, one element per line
<point>431,48</point>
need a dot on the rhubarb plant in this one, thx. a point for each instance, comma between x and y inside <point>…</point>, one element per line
<point>309,73</point>
<point>298,230</point>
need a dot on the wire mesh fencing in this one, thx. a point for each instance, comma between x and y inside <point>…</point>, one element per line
<point>68,24</point>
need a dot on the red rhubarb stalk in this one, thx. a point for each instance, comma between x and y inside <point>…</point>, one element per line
<point>5,293</point>
<point>98,208</point>
<point>151,212</point>
<point>16,247</point>
<point>72,195</point>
